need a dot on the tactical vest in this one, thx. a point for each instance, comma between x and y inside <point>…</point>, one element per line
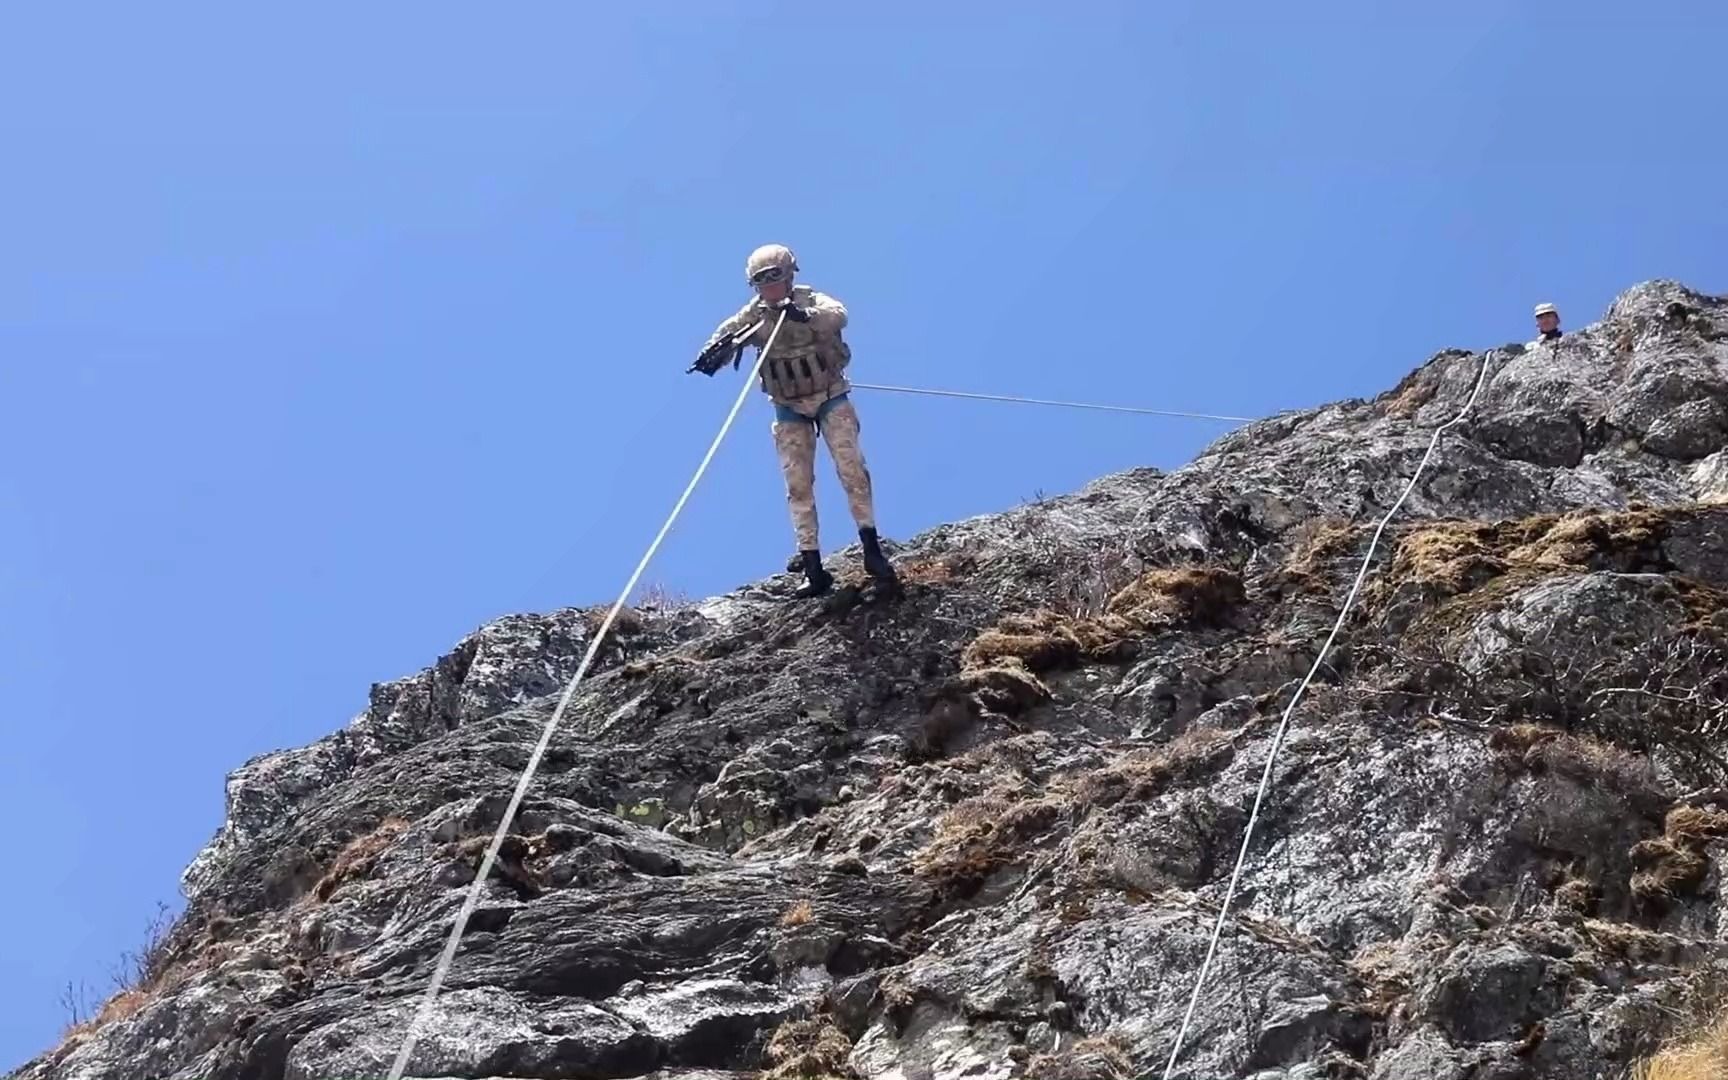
<point>802,362</point>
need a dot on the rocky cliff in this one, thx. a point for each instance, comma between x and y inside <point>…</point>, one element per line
<point>983,831</point>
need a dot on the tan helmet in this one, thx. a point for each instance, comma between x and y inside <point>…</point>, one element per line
<point>1546,309</point>
<point>770,256</point>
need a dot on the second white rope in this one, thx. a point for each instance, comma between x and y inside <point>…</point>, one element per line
<point>1284,721</point>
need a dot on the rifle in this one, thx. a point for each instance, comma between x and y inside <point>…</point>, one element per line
<point>714,357</point>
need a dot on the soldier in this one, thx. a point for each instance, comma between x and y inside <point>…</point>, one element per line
<point>1547,323</point>
<point>805,377</point>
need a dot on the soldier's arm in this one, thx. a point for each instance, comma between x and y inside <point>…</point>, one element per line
<point>744,317</point>
<point>827,315</point>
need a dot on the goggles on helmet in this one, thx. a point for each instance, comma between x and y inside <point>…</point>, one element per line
<point>768,275</point>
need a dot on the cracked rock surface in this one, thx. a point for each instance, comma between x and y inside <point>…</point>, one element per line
<point>983,830</point>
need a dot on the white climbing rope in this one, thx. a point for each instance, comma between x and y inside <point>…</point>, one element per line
<point>1284,722</point>
<point>1041,401</point>
<point>473,898</point>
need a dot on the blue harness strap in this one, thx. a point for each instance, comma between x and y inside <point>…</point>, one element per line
<point>787,415</point>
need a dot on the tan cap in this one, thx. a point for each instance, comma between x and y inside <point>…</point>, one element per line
<point>1546,309</point>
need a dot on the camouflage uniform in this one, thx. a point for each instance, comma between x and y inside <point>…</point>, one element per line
<point>805,376</point>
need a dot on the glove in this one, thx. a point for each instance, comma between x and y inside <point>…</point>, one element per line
<point>793,311</point>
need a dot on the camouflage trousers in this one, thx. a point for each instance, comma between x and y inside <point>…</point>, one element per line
<point>795,440</point>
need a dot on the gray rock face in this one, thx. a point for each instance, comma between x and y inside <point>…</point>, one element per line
<point>983,830</point>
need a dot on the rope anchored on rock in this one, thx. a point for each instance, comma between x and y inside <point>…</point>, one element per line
<point>1290,709</point>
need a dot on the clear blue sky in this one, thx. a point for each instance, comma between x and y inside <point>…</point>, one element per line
<point>327,336</point>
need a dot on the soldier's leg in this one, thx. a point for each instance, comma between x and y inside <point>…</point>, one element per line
<point>795,441</point>
<point>840,431</point>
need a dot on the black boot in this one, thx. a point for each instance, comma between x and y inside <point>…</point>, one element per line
<point>876,564</point>
<point>819,580</point>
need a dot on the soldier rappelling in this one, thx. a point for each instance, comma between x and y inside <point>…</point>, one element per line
<point>805,377</point>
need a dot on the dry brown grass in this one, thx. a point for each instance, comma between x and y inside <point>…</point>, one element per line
<point>935,569</point>
<point>1579,757</point>
<point>809,1050</point>
<point>1662,869</point>
<point>1694,825</point>
<point>628,623</point>
<point>1458,555</point>
<point>1581,539</point>
<point>798,914</point>
<point>1410,398</point>
<point>1576,894</point>
<point>984,834</point>
<point>167,960</point>
<point>1675,862</point>
<point>1317,545</point>
<point>1388,969</point>
<point>356,860</point>
<point>122,1006</point>
<point>1143,774</point>
<point>1097,1058</point>
<point>1002,665</point>
<point>1469,567</point>
<point>1626,941</point>
<point>1044,641</point>
<point>1193,594</point>
<point>1701,1056</point>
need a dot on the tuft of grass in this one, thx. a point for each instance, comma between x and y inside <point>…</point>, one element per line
<point>628,623</point>
<point>1673,863</point>
<point>1626,941</point>
<point>798,914</point>
<point>356,861</point>
<point>122,1006</point>
<point>1096,1058</point>
<point>1695,826</point>
<point>1457,558</point>
<point>139,977</point>
<point>1702,1056</point>
<point>984,834</point>
<point>809,1050</point>
<point>1000,668</point>
<point>1412,392</point>
<point>935,569</point>
<point>1662,869</point>
<point>1191,594</point>
<point>1046,641</point>
<point>1142,774</point>
<point>1318,545</point>
<point>1577,756</point>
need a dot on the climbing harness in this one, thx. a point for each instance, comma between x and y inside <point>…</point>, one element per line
<point>1041,401</point>
<point>1284,721</point>
<point>473,898</point>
